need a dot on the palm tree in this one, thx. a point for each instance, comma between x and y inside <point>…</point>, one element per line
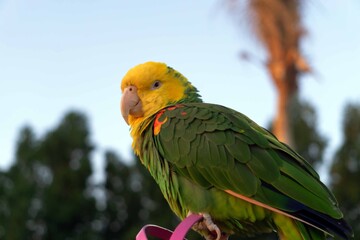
<point>277,26</point>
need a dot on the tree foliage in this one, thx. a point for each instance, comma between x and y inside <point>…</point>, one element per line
<point>308,141</point>
<point>132,199</point>
<point>67,203</point>
<point>345,171</point>
<point>18,188</point>
<point>46,191</point>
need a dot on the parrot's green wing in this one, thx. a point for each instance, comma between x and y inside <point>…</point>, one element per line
<point>214,146</point>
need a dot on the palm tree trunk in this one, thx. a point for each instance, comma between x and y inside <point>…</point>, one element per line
<point>284,76</point>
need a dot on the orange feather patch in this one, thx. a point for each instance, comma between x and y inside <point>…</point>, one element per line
<point>158,123</point>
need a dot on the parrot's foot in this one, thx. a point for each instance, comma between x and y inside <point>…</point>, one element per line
<point>209,229</point>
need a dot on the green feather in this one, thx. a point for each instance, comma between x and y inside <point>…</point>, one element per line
<point>262,164</point>
<point>239,150</point>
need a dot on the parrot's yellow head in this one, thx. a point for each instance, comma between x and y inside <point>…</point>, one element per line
<point>150,87</point>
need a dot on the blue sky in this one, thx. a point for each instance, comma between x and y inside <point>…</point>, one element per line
<point>71,54</point>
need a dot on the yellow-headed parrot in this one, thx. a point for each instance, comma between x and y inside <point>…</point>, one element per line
<point>211,160</point>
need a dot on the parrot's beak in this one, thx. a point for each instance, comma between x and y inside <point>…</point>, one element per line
<point>131,104</point>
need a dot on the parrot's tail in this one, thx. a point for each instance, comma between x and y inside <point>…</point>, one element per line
<point>316,226</point>
<point>291,229</point>
<point>309,233</point>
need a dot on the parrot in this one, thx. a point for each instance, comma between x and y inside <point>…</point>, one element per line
<point>211,160</point>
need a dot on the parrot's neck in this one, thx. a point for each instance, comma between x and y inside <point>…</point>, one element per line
<point>191,95</point>
<point>137,129</point>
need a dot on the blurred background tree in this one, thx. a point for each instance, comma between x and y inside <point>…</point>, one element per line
<point>19,189</point>
<point>277,26</point>
<point>68,205</point>
<point>308,140</point>
<point>47,191</point>
<point>120,201</point>
<point>132,199</point>
<point>345,171</point>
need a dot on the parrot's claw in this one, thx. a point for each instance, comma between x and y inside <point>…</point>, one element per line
<point>208,228</point>
<point>211,225</point>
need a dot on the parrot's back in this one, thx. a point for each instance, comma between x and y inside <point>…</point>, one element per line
<point>208,158</point>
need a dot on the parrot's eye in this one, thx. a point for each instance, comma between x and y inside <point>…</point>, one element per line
<point>156,84</point>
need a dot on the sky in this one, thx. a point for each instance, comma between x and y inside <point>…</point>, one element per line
<point>57,56</point>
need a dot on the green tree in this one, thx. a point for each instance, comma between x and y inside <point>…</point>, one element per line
<point>345,170</point>
<point>121,202</point>
<point>68,207</point>
<point>133,200</point>
<point>308,141</point>
<point>18,188</point>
